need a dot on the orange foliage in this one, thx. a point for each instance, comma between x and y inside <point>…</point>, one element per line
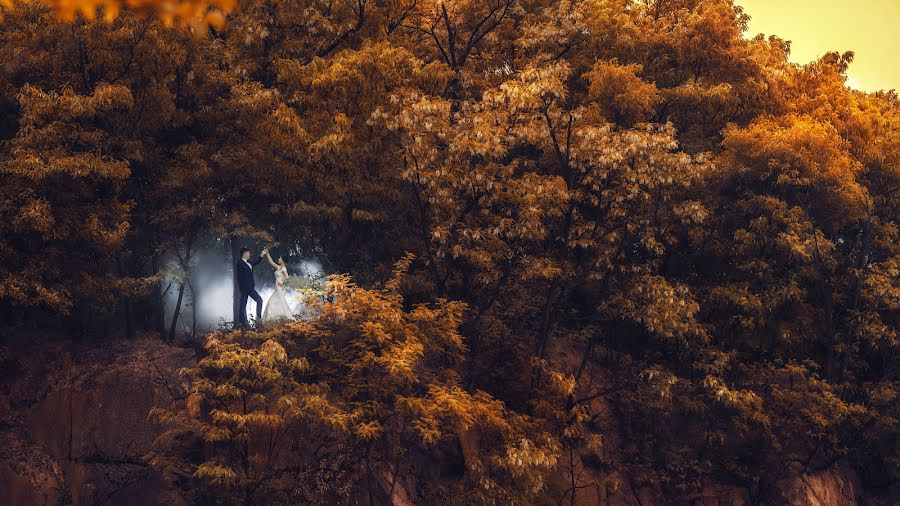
<point>628,181</point>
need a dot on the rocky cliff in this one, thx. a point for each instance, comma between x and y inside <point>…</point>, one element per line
<point>74,426</point>
<point>74,429</point>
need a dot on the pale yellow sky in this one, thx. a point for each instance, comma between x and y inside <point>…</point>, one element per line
<point>869,28</point>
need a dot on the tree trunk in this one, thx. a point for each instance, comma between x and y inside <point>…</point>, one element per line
<point>185,262</point>
<point>574,482</point>
<point>543,337</point>
<point>236,291</point>
<point>126,302</point>
<point>175,312</point>
<point>592,341</point>
<point>160,302</point>
<point>546,323</point>
<point>370,491</point>
<point>825,292</point>
<point>86,320</point>
<point>856,290</point>
<point>193,311</point>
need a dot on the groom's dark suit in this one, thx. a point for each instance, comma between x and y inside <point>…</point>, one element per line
<point>247,287</point>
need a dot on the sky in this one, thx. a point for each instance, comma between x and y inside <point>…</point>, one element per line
<point>869,28</point>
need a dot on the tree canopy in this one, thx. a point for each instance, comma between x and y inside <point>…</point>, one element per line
<point>631,184</point>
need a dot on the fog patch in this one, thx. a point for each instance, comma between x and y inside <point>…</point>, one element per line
<point>212,279</point>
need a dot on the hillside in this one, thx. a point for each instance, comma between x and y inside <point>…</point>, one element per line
<point>540,252</point>
<point>75,431</point>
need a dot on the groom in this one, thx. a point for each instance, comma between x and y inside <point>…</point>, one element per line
<point>244,272</point>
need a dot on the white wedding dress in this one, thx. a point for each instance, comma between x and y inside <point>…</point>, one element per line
<point>277,307</point>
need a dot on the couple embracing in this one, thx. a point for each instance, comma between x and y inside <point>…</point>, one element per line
<point>277,307</point>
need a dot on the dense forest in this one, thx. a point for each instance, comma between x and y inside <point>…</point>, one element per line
<point>529,207</point>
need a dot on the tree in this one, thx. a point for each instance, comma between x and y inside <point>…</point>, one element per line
<point>63,172</point>
<point>628,186</point>
<point>196,14</point>
<point>373,388</point>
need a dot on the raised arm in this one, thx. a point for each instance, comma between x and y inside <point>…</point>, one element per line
<point>256,262</point>
<point>271,262</point>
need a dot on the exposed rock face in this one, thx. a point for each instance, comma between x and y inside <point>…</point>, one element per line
<point>74,429</point>
<point>28,474</point>
<point>394,491</point>
<point>77,426</point>
<point>831,487</point>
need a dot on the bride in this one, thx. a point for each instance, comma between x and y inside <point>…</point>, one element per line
<point>277,307</point>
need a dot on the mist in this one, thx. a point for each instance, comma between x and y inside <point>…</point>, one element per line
<point>211,277</point>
